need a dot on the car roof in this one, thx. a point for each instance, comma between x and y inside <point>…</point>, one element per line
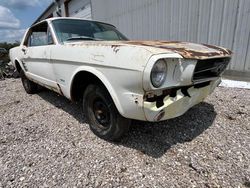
<point>68,18</point>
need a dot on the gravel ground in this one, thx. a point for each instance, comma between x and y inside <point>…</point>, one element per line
<point>45,142</point>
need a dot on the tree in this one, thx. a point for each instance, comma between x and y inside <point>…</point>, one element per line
<point>4,58</point>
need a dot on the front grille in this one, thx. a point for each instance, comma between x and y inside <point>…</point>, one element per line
<point>210,68</point>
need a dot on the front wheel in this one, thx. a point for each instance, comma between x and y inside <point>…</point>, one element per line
<point>104,119</point>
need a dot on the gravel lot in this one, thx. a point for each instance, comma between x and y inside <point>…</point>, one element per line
<point>45,142</point>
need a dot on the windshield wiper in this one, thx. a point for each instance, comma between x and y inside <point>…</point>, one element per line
<point>82,38</point>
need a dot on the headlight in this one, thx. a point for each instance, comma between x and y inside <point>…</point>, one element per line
<point>158,73</point>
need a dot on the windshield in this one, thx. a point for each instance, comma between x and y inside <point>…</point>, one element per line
<point>69,30</point>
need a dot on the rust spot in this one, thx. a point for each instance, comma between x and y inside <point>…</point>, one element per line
<point>224,50</point>
<point>191,53</point>
<point>169,42</point>
<point>135,99</point>
<point>115,48</point>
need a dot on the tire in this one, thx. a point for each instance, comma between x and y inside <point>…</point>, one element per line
<point>29,86</point>
<point>104,119</point>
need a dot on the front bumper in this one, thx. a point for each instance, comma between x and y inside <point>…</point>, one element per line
<point>178,105</point>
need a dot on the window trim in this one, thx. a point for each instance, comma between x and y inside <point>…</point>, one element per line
<point>29,33</point>
<point>61,42</point>
<point>49,31</point>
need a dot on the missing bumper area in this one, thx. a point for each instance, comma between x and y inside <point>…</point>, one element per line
<point>172,93</point>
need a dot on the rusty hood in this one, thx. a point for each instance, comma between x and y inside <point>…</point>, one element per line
<point>186,49</point>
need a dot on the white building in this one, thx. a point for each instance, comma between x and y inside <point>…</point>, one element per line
<point>68,8</point>
<point>218,22</point>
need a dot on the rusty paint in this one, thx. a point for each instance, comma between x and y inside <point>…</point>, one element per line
<point>224,50</point>
<point>159,116</point>
<point>115,48</point>
<point>185,49</point>
<point>135,99</point>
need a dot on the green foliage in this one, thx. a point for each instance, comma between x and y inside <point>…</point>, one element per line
<point>8,46</point>
<point>5,58</point>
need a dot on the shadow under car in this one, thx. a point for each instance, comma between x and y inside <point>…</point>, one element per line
<point>153,139</point>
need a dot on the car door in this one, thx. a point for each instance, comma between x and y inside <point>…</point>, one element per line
<point>36,55</point>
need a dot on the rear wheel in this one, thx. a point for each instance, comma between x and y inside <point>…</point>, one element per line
<point>29,86</point>
<point>102,115</point>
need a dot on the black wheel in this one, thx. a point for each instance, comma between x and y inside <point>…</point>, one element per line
<point>104,119</point>
<point>29,86</point>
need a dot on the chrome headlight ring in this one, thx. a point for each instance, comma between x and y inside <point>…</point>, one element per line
<point>158,73</point>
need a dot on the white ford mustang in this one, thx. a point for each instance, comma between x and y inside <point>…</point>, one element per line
<point>117,79</point>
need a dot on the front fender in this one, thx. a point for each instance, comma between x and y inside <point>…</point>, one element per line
<point>126,95</point>
<point>103,79</point>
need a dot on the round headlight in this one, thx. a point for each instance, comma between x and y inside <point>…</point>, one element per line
<point>158,73</point>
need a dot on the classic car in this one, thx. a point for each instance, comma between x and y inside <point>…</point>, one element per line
<point>114,78</point>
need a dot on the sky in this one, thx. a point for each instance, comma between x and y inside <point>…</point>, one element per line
<point>17,15</point>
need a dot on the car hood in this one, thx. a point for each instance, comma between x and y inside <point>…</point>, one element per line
<point>185,49</point>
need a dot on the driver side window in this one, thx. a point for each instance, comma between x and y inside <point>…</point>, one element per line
<point>38,39</point>
<point>40,35</point>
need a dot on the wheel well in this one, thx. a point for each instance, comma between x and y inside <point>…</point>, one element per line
<point>80,82</point>
<point>18,67</point>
